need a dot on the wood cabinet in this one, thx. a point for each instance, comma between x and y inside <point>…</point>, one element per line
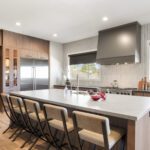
<point>26,53</point>
<point>141,93</point>
<point>9,39</point>
<point>37,48</point>
<point>1,68</point>
<point>10,70</point>
<point>13,47</point>
<point>1,37</point>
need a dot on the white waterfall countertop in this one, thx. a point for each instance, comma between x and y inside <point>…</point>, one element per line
<point>121,106</point>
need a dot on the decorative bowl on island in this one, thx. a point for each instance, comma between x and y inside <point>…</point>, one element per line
<point>95,96</point>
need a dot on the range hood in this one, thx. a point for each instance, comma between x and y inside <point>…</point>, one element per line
<point>120,44</point>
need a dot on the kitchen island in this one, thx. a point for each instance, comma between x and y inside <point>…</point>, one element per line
<point>128,112</point>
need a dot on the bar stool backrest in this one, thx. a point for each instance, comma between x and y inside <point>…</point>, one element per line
<point>30,105</point>
<point>54,112</point>
<point>15,101</point>
<point>91,122</point>
<point>5,101</point>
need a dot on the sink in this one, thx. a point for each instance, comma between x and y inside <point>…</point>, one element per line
<point>80,92</point>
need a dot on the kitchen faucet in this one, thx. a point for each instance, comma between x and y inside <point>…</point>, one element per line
<point>77,89</point>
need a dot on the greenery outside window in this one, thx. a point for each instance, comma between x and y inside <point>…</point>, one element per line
<point>89,71</point>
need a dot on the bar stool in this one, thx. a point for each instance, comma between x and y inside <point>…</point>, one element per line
<point>20,114</point>
<point>9,112</point>
<point>35,114</point>
<point>57,118</point>
<point>18,106</point>
<point>96,129</point>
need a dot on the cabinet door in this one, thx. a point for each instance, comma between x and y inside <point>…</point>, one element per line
<point>43,54</point>
<point>147,94</point>
<point>26,53</point>
<point>9,39</point>
<point>26,42</point>
<point>1,37</point>
<point>15,69</point>
<point>44,50</point>
<point>35,47</point>
<point>10,70</point>
<point>138,93</point>
<point>6,69</point>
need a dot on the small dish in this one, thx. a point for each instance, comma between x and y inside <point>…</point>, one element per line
<point>95,97</point>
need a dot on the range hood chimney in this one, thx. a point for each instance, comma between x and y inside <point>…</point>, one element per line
<point>120,44</point>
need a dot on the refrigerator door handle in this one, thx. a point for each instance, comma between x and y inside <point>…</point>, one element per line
<point>33,70</point>
<point>35,77</point>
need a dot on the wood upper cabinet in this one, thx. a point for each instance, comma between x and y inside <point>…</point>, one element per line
<point>26,53</point>
<point>9,39</point>
<point>37,49</point>
<point>1,37</point>
<point>43,51</point>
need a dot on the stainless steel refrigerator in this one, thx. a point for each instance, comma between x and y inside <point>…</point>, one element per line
<point>34,74</point>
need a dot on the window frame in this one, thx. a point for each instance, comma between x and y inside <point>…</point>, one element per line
<point>68,66</point>
<point>148,60</point>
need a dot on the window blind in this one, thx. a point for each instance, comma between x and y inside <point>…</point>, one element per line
<point>83,58</point>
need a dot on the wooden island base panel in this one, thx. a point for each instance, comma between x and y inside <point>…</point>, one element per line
<point>128,112</point>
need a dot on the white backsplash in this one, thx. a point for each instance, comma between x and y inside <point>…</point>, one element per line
<point>127,75</point>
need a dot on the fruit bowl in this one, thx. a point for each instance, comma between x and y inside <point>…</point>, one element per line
<point>95,97</point>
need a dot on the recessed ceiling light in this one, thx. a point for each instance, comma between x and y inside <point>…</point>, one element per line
<point>105,19</point>
<point>18,23</point>
<point>55,35</point>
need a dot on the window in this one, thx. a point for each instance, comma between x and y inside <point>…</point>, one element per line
<point>148,59</point>
<point>85,66</point>
<point>85,71</point>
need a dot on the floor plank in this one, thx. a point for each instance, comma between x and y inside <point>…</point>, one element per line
<point>7,144</point>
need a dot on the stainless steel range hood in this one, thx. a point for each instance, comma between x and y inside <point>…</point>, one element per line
<point>120,44</point>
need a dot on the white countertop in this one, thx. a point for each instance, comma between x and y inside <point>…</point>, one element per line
<point>122,106</point>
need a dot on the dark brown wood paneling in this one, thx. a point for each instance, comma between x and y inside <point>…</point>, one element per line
<point>9,39</point>
<point>35,48</point>
<point>141,93</point>
<point>26,53</point>
<point>26,42</point>
<point>1,69</point>
<point>44,50</point>
<point>147,94</point>
<point>1,39</point>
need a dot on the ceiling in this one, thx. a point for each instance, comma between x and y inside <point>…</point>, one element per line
<point>70,19</point>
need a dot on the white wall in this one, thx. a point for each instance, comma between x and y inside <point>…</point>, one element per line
<point>56,63</point>
<point>127,75</point>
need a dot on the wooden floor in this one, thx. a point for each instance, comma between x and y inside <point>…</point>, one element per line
<point>7,144</point>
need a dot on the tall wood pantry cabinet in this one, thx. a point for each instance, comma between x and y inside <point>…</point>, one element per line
<point>13,47</point>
